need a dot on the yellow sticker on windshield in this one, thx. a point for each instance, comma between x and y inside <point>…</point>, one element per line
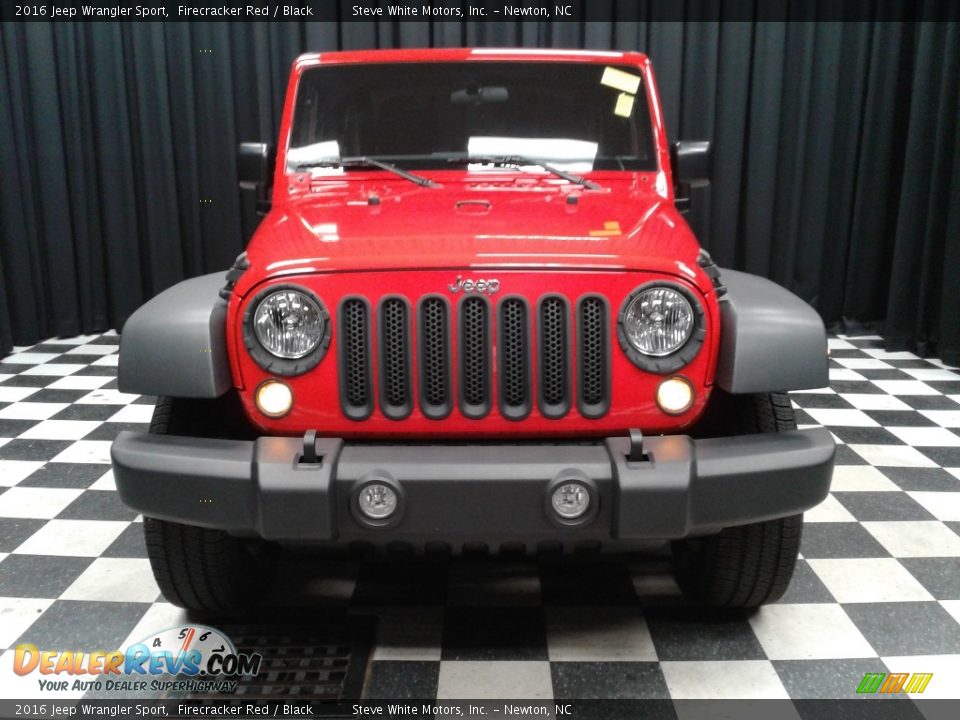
<point>620,80</point>
<point>624,106</point>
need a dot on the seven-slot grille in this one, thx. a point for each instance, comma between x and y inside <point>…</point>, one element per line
<point>532,342</point>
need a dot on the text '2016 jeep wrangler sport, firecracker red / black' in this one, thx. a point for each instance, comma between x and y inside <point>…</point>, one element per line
<point>473,317</point>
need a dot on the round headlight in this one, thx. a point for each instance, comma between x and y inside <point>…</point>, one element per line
<point>288,324</point>
<point>658,321</point>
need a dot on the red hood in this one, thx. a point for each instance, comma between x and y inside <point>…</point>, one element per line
<point>497,222</point>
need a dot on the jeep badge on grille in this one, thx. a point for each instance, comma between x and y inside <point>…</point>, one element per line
<point>488,287</point>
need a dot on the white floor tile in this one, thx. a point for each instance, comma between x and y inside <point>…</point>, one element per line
<point>861,478</point>
<point>86,451</point>
<point>830,510</point>
<point>115,580</point>
<point>808,632</point>
<point>932,374</point>
<point>72,538</point>
<point>945,669</point>
<point>844,374</point>
<point>875,401</point>
<point>952,607</point>
<point>942,505</point>
<point>926,436</point>
<point>500,680</point>
<point>18,614</point>
<point>954,471</point>
<point>943,418</point>
<point>922,538</point>
<point>905,387</point>
<point>866,580</point>
<point>133,414</point>
<point>5,376</point>
<point>107,397</point>
<point>80,382</point>
<point>104,482</point>
<point>75,340</point>
<point>863,363</point>
<point>12,394</point>
<point>13,471</point>
<point>598,634</point>
<point>839,344</point>
<point>722,680</point>
<point>93,350</point>
<point>43,503</point>
<point>892,456</point>
<point>29,358</point>
<point>54,370</point>
<point>884,355</point>
<point>61,430</point>
<point>107,361</point>
<point>815,391</point>
<point>31,410</point>
<point>841,417</point>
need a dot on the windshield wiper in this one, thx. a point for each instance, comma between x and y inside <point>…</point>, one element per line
<point>363,161</point>
<point>520,161</point>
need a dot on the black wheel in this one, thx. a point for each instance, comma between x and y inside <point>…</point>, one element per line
<point>199,568</point>
<point>749,565</point>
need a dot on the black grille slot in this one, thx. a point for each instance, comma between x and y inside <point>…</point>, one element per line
<point>474,359</point>
<point>355,396</point>
<point>554,355</point>
<point>394,323</point>
<point>514,359</point>
<point>434,357</point>
<point>594,357</point>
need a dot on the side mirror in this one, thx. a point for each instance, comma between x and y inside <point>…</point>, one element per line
<point>255,171</point>
<point>691,169</point>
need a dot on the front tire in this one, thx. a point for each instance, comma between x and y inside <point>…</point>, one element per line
<point>748,565</point>
<point>197,568</point>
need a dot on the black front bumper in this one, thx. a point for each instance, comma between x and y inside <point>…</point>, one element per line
<point>473,493</point>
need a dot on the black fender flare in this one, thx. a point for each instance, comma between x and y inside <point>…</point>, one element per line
<point>770,340</point>
<point>176,343</point>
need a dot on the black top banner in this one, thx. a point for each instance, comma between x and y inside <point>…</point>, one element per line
<point>476,10</point>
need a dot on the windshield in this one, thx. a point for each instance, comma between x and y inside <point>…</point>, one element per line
<point>577,117</point>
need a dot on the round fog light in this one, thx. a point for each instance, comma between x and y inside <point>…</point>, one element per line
<point>570,500</point>
<point>274,398</point>
<point>675,395</point>
<point>377,501</point>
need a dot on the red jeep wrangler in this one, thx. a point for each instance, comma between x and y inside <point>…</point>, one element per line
<point>473,317</point>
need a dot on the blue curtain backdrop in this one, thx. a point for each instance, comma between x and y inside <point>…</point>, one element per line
<point>836,168</point>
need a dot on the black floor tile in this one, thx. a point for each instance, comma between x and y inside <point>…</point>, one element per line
<point>906,628</point>
<point>33,449</point>
<point>82,624</point>
<point>40,576</point>
<point>805,587</point>
<point>97,505</point>
<point>485,633</point>
<point>401,680</point>
<point>608,681</point>
<point>870,506</point>
<point>940,576</point>
<point>13,531</point>
<point>697,633</point>
<point>826,679</point>
<point>65,475</point>
<point>839,540</point>
<point>932,479</point>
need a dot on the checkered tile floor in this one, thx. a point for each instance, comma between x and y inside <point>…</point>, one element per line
<point>877,588</point>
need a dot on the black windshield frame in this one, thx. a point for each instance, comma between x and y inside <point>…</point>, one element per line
<point>406,113</point>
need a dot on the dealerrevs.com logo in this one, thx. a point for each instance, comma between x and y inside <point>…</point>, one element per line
<point>203,657</point>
